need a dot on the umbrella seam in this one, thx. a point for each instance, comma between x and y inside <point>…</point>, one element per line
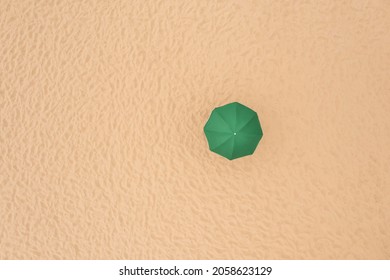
<point>222,143</point>
<point>248,122</point>
<point>224,120</point>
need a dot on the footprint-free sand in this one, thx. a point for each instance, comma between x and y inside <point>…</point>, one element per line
<point>102,108</point>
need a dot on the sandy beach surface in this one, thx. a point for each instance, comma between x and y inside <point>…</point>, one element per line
<point>102,150</point>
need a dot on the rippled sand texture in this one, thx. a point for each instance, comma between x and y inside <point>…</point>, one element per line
<point>102,108</point>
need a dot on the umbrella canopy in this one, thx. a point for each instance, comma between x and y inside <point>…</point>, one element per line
<point>233,131</point>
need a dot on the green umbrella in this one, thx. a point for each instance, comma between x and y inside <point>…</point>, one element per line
<point>233,131</point>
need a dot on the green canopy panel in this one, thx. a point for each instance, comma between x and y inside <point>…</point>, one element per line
<point>233,131</point>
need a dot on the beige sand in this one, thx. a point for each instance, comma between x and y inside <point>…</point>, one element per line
<point>102,153</point>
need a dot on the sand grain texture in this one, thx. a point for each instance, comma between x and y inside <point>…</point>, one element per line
<point>102,107</point>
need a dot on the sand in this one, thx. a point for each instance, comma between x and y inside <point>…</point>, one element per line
<point>102,108</point>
